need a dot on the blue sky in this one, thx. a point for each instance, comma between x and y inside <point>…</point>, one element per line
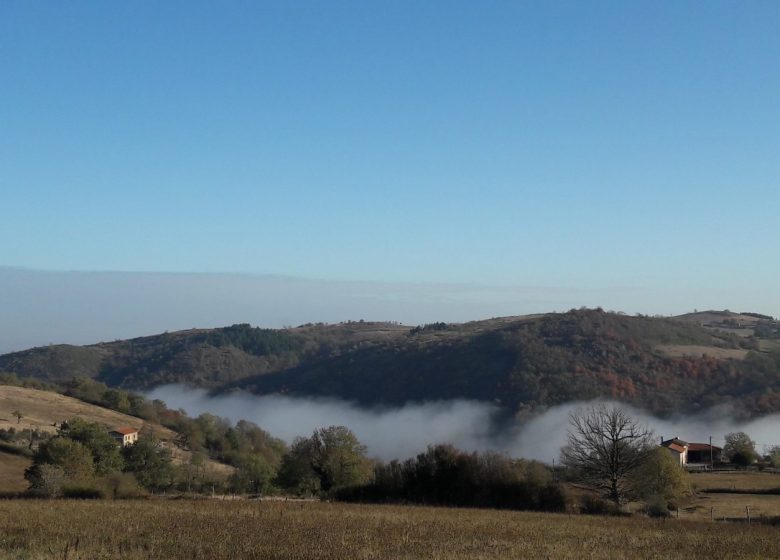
<point>593,145</point>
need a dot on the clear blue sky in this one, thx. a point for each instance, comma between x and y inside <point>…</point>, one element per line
<point>539,143</point>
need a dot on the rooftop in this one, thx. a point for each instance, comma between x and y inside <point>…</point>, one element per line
<point>702,447</point>
<point>124,431</point>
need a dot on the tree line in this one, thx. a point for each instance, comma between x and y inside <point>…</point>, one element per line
<point>608,452</point>
<point>444,475</point>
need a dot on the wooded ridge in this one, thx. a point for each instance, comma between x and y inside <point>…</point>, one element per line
<point>664,365</point>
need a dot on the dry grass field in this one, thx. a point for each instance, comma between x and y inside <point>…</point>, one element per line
<point>743,481</point>
<point>12,469</point>
<point>217,530</point>
<point>734,505</point>
<point>41,409</point>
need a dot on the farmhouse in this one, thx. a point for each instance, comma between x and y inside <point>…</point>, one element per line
<point>678,448</point>
<point>692,455</point>
<point>124,436</point>
<point>703,454</point>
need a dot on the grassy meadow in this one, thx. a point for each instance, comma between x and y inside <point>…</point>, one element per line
<point>742,481</point>
<point>215,529</point>
<point>12,468</point>
<point>44,410</point>
<point>727,495</point>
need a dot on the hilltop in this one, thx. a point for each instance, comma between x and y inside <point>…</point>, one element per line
<point>522,363</point>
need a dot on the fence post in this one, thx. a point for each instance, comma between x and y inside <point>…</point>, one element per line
<point>712,514</point>
<point>747,509</point>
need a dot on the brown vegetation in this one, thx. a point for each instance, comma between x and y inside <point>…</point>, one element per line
<point>272,529</point>
<point>12,467</point>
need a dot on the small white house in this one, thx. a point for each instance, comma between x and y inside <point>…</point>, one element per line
<point>678,448</point>
<point>124,436</point>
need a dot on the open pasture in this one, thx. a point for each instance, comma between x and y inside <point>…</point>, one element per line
<point>217,529</point>
<point>731,495</point>
<point>12,469</point>
<point>739,481</point>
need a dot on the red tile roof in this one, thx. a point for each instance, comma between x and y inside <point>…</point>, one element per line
<point>702,447</point>
<point>124,431</point>
<point>675,447</point>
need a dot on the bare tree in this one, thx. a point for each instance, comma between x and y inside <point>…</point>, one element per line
<point>605,447</point>
<point>18,415</point>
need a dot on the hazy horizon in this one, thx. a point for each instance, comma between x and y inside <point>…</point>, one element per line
<point>60,307</point>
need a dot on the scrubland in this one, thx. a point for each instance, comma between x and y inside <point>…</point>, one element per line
<point>218,529</point>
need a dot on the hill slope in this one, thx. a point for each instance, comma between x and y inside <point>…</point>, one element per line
<point>204,358</point>
<point>43,409</point>
<point>541,361</point>
<point>665,365</point>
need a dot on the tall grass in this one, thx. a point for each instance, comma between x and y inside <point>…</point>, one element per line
<point>214,529</point>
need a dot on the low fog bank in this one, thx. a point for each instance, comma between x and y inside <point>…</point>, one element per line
<point>391,433</point>
<point>547,432</point>
<point>387,432</point>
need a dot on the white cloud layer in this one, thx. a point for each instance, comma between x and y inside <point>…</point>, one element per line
<point>470,425</point>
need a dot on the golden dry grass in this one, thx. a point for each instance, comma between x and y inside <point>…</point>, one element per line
<point>296,530</point>
<point>744,481</point>
<point>41,409</point>
<point>12,469</point>
<point>732,506</point>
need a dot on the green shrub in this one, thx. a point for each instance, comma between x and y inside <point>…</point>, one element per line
<point>594,505</point>
<point>83,491</point>
<point>657,506</point>
<point>122,486</point>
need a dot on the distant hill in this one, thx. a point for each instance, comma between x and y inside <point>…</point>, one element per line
<point>666,365</point>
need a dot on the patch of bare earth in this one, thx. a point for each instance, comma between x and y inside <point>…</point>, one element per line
<point>694,351</point>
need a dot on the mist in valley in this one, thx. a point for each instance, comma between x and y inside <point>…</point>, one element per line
<point>401,432</point>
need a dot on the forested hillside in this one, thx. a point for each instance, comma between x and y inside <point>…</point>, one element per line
<point>552,359</point>
<point>665,365</point>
